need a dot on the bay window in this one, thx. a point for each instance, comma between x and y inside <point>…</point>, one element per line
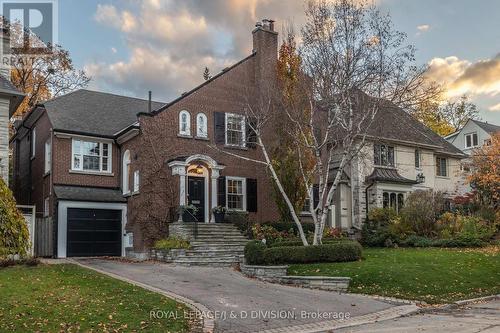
<point>91,156</point>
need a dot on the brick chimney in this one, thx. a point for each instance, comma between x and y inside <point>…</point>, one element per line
<point>265,46</point>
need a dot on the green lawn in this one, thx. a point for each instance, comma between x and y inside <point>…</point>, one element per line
<point>68,298</point>
<point>431,275</point>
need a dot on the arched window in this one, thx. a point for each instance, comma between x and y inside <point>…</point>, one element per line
<point>184,123</point>
<point>201,125</point>
<point>126,172</point>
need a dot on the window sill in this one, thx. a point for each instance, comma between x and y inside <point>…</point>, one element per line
<point>201,138</point>
<point>185,136</point>
<point>235,147</point>
<point>443,177</point>
<point>92,173</point>
<point>384,166</point>
<point>46,174</point>
<point>305,214</point>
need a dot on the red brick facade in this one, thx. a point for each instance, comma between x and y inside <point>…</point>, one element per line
<point>157,143</point>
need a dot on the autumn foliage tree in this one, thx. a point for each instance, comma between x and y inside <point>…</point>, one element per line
<point>42,75</point>
<point>485,178</point>
<point>285,157</point>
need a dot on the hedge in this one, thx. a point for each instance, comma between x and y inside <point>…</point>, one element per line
<point>286,226</point>
<point>257,253</point>
<point>299,243</point>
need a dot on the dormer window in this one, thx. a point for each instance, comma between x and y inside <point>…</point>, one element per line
<point>383,155</point>
<point>201,126</point>
<point>471,140</point>
<point>184,123</point>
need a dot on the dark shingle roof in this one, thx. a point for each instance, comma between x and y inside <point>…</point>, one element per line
<point>389,176</point>
<point>92,194</point>
<point>490,128</point>
<point>96,113</point>
<point>7,86</point>
<point>393,123</point>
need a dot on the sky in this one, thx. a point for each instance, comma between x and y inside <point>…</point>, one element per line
<point>129,47</point>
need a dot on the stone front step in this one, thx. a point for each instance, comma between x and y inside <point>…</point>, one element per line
<point>216,245</point>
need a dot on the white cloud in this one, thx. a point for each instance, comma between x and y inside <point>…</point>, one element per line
<point>465,77</point>
<point>495,107</point>
<point>114,50</point>
<point>423,27</point>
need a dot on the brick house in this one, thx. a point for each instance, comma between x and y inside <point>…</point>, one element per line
<point>104,166</point>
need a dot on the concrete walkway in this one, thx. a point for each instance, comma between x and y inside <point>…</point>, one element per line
<point>232,297</point>
<point>483,317</point>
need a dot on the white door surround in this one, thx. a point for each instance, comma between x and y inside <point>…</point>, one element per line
<point>210,168</point>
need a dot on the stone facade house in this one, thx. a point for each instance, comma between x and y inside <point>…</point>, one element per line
<point>400,155</point>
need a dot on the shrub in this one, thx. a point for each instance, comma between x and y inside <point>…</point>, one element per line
<point>254,251</point>
<point>299,242</point>
<point>376,229</point>
<point>421,211</point>
<point>417,241</point>
<point>14,234</point>
<point>172,243</point>
<point>28,261</point>
<point>333,252</point>
<point>270,234</point>
<point>286,226</point>
<point>469,228</point>
<point>333,233</point>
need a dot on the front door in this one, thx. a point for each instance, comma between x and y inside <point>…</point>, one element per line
<point>196,197</point>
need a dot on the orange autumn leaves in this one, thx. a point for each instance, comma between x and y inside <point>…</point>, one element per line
<point>486,176</point>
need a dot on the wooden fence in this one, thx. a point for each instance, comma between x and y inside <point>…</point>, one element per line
<point>44,232</point>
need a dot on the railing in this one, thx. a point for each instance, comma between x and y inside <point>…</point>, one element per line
<point>195,221</point>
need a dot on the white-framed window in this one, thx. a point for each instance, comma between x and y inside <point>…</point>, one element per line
<point>46,207</point>
<point>126,172</point>
<point>236,193</point>
<point>441,167</point>
<point>471,140</point>
<point>136,181</point>
<point>383,155</point>
<point>235,130</point>
<point>184,123</point>
<point>48,156</point>
<point>201,125</point>
<point>33,142</point>
<point>93,156</point>
<point>306,208</point>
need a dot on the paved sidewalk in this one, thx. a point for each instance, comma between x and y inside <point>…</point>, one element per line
<point>482,317</point>
<point>267,306</point>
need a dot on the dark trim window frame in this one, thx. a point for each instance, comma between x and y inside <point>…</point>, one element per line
<point>394,200</point>
<point>383,155</point>
<point>418,158</point>
<point>441,166</point>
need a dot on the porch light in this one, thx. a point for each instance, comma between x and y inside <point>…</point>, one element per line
<point>420,178</point>
<point>199,169</point>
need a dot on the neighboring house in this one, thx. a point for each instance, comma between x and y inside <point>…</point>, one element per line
<point>98,164</point>
<point>400,155</point>
<point>474,134</point>
<point>10,99</point>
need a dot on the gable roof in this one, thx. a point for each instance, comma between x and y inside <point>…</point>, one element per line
<point>393,123</point>
<point>95,113</point>
<point>489,128</point>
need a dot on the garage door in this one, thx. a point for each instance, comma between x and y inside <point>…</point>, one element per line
<point>94,232</point>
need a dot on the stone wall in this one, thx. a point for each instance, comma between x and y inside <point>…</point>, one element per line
<point>264,272</point>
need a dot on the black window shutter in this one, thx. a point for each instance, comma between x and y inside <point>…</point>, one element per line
<point>250,133</point>
<point>315,196</point>
<point>221,191</point>
<point>220,127</point>
<point>251,195</point>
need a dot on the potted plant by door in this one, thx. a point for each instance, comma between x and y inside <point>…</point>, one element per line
<point>187,213</point>
<point>219,213</point>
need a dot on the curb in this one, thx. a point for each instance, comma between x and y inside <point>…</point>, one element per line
<point>458,304</point>
<point>387,314</point>
<point>208,323</point>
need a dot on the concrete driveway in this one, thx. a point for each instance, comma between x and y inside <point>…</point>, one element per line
<point>266,306</point>
<point>482,317</point>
